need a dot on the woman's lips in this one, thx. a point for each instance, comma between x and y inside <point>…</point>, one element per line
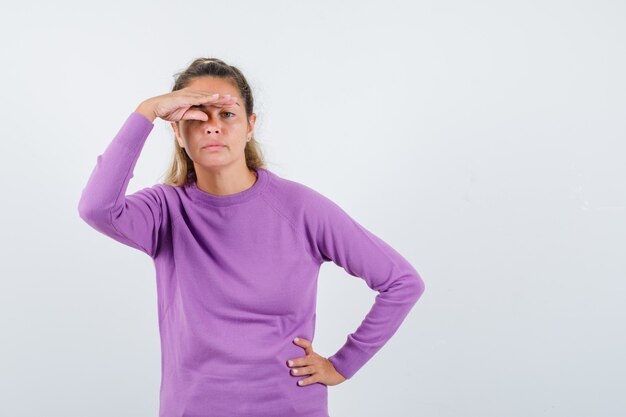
<point>213,147</point>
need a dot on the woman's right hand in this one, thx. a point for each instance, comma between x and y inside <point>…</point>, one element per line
<point>175,106</point>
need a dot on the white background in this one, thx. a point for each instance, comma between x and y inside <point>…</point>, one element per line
<point>483,140</point>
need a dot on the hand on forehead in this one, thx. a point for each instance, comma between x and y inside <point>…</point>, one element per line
<point>231,103</point>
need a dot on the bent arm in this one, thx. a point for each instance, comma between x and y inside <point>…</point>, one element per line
<point>341,239</point>
<point>133,220</point>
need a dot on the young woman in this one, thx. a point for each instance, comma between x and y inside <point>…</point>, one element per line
<point>237,251</point>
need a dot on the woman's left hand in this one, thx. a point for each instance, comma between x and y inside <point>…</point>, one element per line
<point>318,367</point>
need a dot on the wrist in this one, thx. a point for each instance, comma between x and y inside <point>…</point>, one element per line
<point>146,110</point>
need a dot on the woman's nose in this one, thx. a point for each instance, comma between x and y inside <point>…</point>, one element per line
<point>211,125</point>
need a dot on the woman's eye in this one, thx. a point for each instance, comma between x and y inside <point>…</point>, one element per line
<point>228,112</point>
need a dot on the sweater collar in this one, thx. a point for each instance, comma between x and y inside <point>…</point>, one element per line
<point>253,191</point>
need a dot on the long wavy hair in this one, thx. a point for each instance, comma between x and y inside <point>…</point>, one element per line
<point>181,170</point>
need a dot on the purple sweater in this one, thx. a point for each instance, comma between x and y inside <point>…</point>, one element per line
<point>237,282</point>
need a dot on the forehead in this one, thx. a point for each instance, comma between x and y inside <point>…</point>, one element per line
<point>210,85</point>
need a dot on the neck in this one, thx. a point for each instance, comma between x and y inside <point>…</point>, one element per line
<point>225,180</point>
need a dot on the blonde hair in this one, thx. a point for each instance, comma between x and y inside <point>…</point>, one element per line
<point>181,170</point>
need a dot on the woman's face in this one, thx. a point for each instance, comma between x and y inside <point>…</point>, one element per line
<point>227,125</point>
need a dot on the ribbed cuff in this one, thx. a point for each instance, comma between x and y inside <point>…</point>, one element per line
<point>349,358</point>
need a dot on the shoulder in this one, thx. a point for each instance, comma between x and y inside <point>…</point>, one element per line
<point>165,195</point>
<point>161,191</point>
<point>298,201</point>
<point>293,193</point>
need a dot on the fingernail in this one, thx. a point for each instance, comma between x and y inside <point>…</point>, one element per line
<point>290,363</point>
<point>296,339</point>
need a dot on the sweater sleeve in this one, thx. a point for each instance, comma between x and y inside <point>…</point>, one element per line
<point>339,238</point>
<point>133,220</point>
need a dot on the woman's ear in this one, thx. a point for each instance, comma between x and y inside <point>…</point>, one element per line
<point>177,134</point>
<point>251,122</point>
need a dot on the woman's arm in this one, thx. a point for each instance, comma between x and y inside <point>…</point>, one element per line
<point>133,220</point>
<point>341,239</point>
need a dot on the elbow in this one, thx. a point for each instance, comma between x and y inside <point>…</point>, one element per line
<point>85,212</point>
<point>90,213</point>
<point>408,287</point>
<point>417,286</point>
